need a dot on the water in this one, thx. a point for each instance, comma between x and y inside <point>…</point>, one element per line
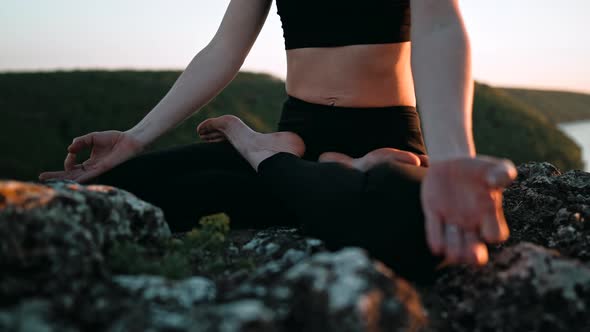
<point>579,131</point>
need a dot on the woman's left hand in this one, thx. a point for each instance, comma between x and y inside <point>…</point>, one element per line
<point>462,203</point>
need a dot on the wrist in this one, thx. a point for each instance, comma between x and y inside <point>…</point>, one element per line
<point>451,156</point>
<point>138,138</point>
<point>449,147</point>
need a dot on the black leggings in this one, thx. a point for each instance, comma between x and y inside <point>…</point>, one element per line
<point>378,210</point>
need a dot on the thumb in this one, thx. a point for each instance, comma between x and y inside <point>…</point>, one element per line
<point>501,174</point>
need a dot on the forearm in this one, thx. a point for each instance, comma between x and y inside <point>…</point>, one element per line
<point>441,65</point>
<point>206,75</point>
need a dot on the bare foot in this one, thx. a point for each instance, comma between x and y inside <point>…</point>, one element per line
<point>379,156</point>
<point>253,146</point>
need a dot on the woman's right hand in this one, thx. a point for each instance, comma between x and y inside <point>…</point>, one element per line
<point>108,149</point>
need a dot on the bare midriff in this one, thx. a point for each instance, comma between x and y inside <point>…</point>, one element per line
<point>376,75</point>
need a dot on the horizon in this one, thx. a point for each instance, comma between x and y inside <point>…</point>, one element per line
<point>70,36</point>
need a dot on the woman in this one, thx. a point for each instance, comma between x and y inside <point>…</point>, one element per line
<point>351,70</point>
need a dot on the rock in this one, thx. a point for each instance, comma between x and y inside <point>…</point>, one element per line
<point>53,240</point>
<point>33,315</point>
<point>275,250</point>
<point>334,291</point>
<point>546,272</point>
<point>525,288</point>
<point>243,315</point>
<point>551,209</point>
<point>346,291</point>
<point>54,236</point>
<point>117,214</point>
<point>534,169</point>
<point>183,293</point>
<point>238,316</point>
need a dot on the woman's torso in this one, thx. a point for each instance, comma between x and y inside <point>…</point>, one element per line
<point>349,79</point>
<point>345,53</point>
<point>374,75</point>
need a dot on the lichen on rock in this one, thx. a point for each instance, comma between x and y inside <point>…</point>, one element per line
<point>54,237</point>
<point>78,258</point>
<point>184,293</point>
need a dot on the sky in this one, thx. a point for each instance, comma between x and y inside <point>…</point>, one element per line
<point>525,43</point>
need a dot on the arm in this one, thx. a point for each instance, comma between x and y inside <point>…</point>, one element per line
<point>444,85</point>
<point>211,70</point>
<point>207,74</point>
<point>461,194</point>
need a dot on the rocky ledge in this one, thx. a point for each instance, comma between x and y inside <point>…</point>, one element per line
<point>94,258</point>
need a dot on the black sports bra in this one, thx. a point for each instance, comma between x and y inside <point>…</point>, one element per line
<point>329,23</point>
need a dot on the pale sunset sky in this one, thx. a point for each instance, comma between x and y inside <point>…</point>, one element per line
<point>529,43</point>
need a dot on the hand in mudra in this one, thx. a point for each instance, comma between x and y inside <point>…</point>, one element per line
<point>108,149</point>
<point>462,203</point>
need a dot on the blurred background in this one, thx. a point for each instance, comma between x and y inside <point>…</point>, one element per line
<point>70,67</point>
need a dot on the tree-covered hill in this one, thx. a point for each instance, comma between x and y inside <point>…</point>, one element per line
<point>40,113</point>
<point>503,126</point>
<point>557,106</point>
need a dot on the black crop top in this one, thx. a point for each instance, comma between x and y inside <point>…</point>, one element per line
<point>329,23</point>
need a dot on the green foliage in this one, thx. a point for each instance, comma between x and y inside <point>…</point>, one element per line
<point>40,113</point>
<point>212,234</point>
<point>507,128</point>
<point>133,258</point>
<point>557,106</point>
<point>201,251</point>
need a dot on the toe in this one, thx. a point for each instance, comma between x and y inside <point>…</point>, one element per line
<point>328,157</point>
<point>204,127</point>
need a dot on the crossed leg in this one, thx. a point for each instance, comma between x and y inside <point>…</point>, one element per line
<point>373,202</point>
<point>256,147</point>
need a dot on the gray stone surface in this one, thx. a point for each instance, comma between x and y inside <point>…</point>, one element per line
<point>53,237</point>
<point>550,209</point>
<point>525,288</point>
<point>183,293</point>
<point>53,241</point>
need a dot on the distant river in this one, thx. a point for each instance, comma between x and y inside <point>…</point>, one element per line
<point>580,132</point>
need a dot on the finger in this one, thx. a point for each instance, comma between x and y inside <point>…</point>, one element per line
<point>58,175</point>
<point>453,243</point>
<point>70,161</point>
<point>470,240</point>
<point>61,175</point>
<point>213,138</point>
<point>434,232</point>
<point>212,135</point>
<point>490,227</point>
<point>502,224</point>
<point>475,252</point>
<point>81,142</point>
<point>494,228</point>
<point>501,174</point>
<point>495,172</point>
